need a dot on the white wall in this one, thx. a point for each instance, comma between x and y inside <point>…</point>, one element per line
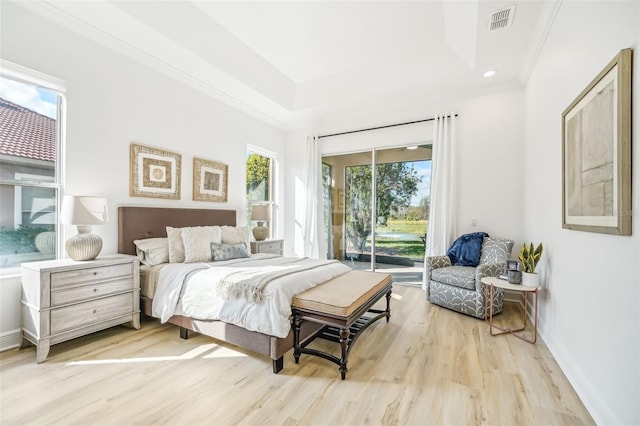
<point>113,101</point>
<point>510,175</point>
<point>590,315</point>
<point>490,150</point>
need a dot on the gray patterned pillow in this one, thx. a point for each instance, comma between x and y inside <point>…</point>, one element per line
<point>228,251</point>
<point>495,250</point>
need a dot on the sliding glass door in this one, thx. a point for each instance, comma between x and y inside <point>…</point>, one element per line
<point>358,214</point>
<point>382,225</point>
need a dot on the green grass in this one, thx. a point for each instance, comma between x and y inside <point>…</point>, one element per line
<point>418,227</point>
<point>413,248</point>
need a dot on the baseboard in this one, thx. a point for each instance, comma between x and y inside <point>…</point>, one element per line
<point>10,339</point>
<point>590,397</point>
<point>512,296</point>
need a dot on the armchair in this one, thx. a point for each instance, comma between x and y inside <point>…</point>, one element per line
<point>459,287</point>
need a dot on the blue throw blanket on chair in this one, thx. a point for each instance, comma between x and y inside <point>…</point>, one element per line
<point>465,251</point>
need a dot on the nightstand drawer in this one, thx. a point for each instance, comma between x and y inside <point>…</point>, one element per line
<point>275,248</point>
<point>79,276</point>
<point>93,290</point>
<point>91,312</point>
<point>268,246</point>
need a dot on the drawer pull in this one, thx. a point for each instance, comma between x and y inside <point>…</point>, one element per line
<point>95,273</point>
<point>95,289</point>
<point>95,311</point>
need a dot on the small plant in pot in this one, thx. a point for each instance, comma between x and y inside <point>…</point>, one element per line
<point>529,257</point>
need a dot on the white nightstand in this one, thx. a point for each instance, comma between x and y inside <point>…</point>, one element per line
<point>268,246</point>
<point>65,299</point>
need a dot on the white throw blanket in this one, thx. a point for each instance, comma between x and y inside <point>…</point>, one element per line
<point>249,282</point>
<point>197,291</point>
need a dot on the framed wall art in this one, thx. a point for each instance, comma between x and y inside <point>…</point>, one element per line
<point>209,180</point>
<point>154,173</point>
<point>596,153</point>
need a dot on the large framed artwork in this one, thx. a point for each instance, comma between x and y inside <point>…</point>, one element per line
<point>154,173</point>
<point>596,153</point>
<point>209,180</point>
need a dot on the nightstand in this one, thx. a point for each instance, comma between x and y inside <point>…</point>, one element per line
<point>268,246</point>
<point>65,299</point>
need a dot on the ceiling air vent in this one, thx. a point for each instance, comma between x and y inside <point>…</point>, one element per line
<point>501,18</point>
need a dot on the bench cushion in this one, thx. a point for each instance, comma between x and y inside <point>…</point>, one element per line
<point>343,295</point>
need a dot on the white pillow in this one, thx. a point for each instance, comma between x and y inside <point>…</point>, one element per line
<point>197,242</point>
<point>176,246</point>
<point>236,235</point>
<point>152,251</point>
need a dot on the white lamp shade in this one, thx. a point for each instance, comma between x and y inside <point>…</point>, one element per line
<point>80,210</point>
<point>260,212</point>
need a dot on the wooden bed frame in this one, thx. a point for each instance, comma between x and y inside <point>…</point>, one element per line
<point>136,223</point>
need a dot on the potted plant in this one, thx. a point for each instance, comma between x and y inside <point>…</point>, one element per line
<point>529,257</point>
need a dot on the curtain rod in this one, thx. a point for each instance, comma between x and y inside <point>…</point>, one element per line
<point>381,127</point>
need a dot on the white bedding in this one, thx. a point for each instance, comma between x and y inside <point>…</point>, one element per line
<point>190,289</point>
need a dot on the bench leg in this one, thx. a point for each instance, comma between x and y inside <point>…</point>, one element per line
<point>296,338</point>
<point>388,310</point>
<point>344,342</point>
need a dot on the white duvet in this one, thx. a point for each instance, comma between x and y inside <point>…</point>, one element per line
<point>192,290</point>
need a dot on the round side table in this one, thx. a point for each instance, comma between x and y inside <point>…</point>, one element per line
<point>490,284</point>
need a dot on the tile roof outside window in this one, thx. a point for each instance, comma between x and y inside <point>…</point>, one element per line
<point>26,133</point>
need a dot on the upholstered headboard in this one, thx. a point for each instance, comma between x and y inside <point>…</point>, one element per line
<point>135,223</point>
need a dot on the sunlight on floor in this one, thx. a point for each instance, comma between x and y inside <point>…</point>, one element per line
<point>216,351</point>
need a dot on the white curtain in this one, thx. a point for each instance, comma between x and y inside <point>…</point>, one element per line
<point>313,226</point>
<point>441,228</point>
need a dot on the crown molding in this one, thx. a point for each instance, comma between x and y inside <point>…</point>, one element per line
<point>49,11</point>
<point>548,15</point>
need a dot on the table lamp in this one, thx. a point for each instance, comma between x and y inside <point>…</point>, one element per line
<point>260,213</point>
<point>84,212</point>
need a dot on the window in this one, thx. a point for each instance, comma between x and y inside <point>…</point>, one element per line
<point>261,178</point>
<point>29,170</point>
<point>326,202</point>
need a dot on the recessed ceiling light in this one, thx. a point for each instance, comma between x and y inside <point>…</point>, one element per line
<point>413,147</point>
<point>489,73</point>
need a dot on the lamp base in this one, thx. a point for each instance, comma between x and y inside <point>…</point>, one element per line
<point>260,232</point>
<point>83,246</point>
<point>46,242</point>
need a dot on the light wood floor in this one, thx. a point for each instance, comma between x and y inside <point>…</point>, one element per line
<point>427,366</point>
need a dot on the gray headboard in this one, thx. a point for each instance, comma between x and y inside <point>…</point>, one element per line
<point>135,223</point>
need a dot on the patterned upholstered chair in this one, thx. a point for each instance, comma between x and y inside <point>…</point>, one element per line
<point>459,287</point>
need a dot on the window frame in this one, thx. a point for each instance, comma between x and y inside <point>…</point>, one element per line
<point>273,188</point>
<point>27,76</point>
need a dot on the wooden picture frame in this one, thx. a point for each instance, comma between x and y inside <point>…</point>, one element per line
<point>596,153</point>
<point>154,173</point>
<point>209,180</point>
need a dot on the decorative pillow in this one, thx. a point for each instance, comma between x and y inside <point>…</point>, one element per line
<point>465,251</point>
<point>176,246</point>
<point>221,252</point>
<point>496,250</point>
<point>236,235</point>
<point>197,242</point>
<point>152,251</point>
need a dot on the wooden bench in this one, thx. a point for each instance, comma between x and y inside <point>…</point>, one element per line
<point>343,306</point>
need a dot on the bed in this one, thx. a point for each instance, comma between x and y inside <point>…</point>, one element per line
<point>138,223</point>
